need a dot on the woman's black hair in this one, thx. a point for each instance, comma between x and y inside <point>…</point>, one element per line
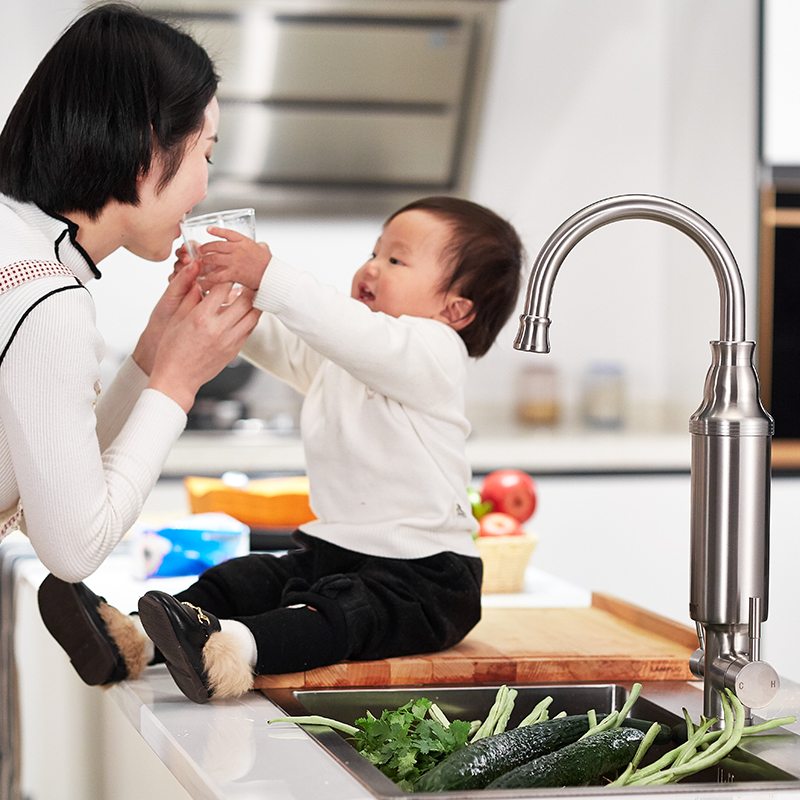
<point>118,92</point>
<point>484,257</point>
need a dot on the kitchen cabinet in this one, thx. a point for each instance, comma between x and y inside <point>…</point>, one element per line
<point>778,351</point>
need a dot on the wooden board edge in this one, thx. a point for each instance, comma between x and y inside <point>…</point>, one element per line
<point>785,453</point>
<point>648,620</point>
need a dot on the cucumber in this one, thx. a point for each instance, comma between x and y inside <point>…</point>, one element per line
<point>578,764</point>
<point>478,764</point>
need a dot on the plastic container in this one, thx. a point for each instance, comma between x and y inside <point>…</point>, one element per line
<point>189,546</point>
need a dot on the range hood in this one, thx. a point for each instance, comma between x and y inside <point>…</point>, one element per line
<point>341,105</point>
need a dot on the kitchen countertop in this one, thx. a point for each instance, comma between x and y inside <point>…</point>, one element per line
<point>282,760</point>
<point>538,451</point>
<point>226,750</point>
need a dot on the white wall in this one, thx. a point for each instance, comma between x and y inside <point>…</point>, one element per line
<point>781,143</point>
<point>592,98</point>
<point>29,29</point>
<point>587,99</point>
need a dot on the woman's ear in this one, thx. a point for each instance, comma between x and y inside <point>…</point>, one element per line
<point>458,313</point>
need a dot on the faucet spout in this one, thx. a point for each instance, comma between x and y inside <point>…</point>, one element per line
<point>731,456</point>
<point>533,333</point>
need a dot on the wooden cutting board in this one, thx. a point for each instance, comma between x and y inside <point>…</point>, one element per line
<point>609,641</point>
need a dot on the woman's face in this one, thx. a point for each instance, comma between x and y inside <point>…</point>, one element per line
<point>154,224</point>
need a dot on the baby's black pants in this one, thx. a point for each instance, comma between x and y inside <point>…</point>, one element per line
<point>323,604</point>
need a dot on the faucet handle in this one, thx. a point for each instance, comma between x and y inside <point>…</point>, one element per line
<point>754,628</point>
<point>752,680</point>
<point>755,683</point>
<point>697,663</point>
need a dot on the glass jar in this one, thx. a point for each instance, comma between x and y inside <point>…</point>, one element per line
<point>604,395</point>
<point>538,395</point>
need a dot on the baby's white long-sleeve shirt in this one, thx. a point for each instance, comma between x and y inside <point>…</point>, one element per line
<point>383,422</point>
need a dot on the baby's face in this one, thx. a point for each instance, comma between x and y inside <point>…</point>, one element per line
<point>406,271</point>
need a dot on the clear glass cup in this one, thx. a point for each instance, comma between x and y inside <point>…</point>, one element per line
<point>195,229</point>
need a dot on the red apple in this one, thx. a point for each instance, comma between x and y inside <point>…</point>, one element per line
<point>495,523</point>
<point>510,491</point>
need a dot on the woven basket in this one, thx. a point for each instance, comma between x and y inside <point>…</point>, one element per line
<point>505,559</point>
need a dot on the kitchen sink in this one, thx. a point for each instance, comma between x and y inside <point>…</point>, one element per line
<point>748,770</point>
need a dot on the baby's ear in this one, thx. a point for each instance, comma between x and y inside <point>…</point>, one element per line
<point>458,313</point>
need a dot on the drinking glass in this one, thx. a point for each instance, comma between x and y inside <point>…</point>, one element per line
<point>195,229</point>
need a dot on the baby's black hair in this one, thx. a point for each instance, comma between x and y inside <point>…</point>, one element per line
<point>485,255</point>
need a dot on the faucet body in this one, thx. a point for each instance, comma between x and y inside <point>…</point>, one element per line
<point>731,457</point>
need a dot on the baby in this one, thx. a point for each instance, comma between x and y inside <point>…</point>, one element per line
<point>389,566</point>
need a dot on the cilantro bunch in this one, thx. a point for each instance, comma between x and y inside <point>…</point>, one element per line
<point>402,744</point>
<point>406,743</point>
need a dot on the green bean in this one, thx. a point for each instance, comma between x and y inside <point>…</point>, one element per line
<point>644,746</point>
<point>538,713</point>
<point>697,740</point>
<point>641,751</point>
<point>622,780</point>
<point>768,725</point>
<point>689,724</point>
<point>615,718</point>
<point>505,711</point>
<point>632,698</point>
<point>607,723</point>
<point>436,713</point>
<point>488,724</point>
<point>315,720</point>
<point>702,749</point>
<point>671,756</point>
<point>504,701</point>
<point>723,745</point>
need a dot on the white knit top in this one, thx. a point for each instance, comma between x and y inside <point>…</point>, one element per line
<point>82,466</point>
<point>383,421</point>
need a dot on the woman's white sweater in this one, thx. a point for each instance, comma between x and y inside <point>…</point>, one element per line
<point>81,461</point>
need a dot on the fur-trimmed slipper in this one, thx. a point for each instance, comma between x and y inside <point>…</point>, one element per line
<point>104,645</point>
<point>201,657</point>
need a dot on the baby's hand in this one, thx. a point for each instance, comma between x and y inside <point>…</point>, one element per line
<point>183,259</point>
<point>235,258</point>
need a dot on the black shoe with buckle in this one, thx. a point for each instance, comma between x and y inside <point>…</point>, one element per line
<point>73,614</point>
<point>180,631</point>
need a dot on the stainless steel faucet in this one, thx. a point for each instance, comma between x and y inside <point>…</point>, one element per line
<point>731,457</point>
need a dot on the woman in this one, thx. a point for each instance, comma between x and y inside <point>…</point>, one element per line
<point>107,147</point>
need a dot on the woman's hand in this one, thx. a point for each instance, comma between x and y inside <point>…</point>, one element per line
<point>234,258</point>
<point>203,335</point>
<point>182,282</point>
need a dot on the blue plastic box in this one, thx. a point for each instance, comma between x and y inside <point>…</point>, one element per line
<point>189,546</point>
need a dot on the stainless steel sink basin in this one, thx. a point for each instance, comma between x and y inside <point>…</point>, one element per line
<point>745,769</point>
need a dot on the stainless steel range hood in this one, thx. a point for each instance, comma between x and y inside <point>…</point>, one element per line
<point>342,105</point>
